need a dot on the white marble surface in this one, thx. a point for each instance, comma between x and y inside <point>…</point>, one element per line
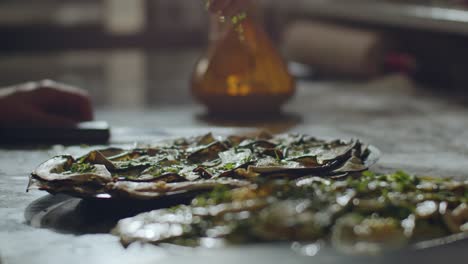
<point>415,132</point>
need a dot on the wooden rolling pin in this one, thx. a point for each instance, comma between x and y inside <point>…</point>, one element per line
<point>335,49</point>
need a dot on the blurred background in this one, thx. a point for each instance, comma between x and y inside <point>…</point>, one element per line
<point>142,52</point>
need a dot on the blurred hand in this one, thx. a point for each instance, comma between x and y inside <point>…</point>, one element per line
<point>44,104</point>
<point>227,7</point>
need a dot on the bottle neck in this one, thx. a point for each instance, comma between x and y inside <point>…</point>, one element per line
<point>221,26</point>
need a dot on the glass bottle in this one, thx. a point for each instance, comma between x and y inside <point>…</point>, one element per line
<point>242,72</point>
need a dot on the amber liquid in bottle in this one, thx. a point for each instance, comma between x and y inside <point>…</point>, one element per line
<point>242,72</point>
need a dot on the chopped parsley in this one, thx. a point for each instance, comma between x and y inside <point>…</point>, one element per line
<point>229,166</point>
<point>236,20</point>
<point>220,194</point>
<point>82,168</point>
